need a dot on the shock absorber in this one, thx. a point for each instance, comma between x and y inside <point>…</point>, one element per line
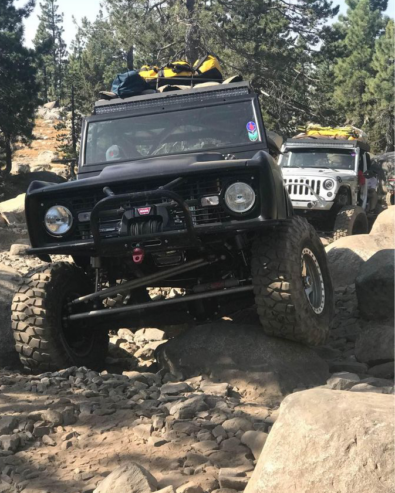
<point>240,246</point>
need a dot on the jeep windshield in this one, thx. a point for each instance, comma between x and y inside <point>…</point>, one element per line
<point>319,158</point>
<point>198,129</point>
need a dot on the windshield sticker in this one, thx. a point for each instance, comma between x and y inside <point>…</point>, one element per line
<point>252,131</point>
<point>253,136</point>
<point>112,153</point>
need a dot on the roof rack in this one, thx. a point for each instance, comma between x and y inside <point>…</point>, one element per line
<point>314,142</point>
<point>177,96</point>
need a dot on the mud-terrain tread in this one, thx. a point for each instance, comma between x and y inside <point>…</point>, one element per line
<point>32,314</point>
<point>282,306</point>
<point>345,220</point>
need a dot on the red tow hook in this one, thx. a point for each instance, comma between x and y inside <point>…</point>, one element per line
<point>138,255</point>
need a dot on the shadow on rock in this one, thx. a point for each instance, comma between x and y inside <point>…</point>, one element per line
<point>264,368</point>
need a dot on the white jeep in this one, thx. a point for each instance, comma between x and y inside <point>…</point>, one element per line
<point>327,181</point>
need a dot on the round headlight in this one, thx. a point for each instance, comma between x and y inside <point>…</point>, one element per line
<point>328,184</point>
<point>240,197</point>
<point>58,220</point>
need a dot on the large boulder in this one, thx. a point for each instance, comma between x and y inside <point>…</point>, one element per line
<point>51,105</point>
<point>130,478</point>
<point>329,441</point>
<point>9,280</point>
<point>375,286</point>
<point>384,225</point>
<point>376,345</point>
<point>13,210</point>
<point>49,113</point>
<point>347,255</point>
<point>46,157</point>
<point>264,368</point>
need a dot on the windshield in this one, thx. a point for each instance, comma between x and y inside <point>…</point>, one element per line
<point>321,158</point>
<point>189,130</point>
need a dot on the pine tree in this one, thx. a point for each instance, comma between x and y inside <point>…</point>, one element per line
<point>51,50</point>
<point>96,57</point>
<point>18,88</point>
<point>363,24</point>
<point>381,90</point>
<point>269,42</point>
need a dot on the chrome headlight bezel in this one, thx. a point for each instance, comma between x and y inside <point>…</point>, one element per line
<point>328,184</point>
<point>60,216</point>
<point>230,202</point>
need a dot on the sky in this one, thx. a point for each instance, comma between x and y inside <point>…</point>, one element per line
<point>90,8</point>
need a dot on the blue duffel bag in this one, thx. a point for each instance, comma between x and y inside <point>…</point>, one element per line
<point>129,84</point>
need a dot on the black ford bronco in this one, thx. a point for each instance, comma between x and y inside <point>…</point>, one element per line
<point>174,189</point>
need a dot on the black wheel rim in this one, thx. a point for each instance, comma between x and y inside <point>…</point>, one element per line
<point>313,282</point>
<point>77,337</point>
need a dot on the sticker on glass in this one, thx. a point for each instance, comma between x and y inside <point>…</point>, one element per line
<point>251,127</point>
<point>253,136</point>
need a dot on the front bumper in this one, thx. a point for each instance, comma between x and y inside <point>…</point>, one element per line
<point>312,205</point>
<point>192,236</point>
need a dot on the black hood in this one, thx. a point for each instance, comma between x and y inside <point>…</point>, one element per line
<point>169,166</point>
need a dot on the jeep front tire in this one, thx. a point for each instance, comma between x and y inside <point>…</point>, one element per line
<point>42,339</point>
<point>292,285</point>
<point>350,220</point>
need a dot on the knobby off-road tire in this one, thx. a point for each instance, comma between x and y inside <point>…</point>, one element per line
<point>42,340</point>
<point>350,220</point>
<point>278,262</point>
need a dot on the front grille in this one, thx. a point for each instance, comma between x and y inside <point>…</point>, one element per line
<point>297,189</point>
<point>191,190</point>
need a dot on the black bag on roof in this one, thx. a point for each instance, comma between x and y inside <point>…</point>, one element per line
<point>129,84</point>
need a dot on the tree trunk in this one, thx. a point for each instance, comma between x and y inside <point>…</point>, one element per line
<point>8,156</point>
<point>130,58</point>
<point>192,35</point>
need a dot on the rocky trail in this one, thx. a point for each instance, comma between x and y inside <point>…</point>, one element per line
<point>217,407</point>
<point>195,411</point>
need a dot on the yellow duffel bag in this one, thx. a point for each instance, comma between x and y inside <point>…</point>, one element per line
<point>175,73</point>
<point>150,74</point>
<point>208,69</point>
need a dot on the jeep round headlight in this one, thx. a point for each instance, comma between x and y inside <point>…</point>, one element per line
<point>58,220</point>
<point>240,197</point>
<point>328,184</point>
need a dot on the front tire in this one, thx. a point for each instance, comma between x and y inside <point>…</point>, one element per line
<point>285,265</point>
<point>42,339</point>
<point>350,220</point>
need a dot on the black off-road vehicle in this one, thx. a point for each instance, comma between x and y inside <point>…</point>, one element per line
<point>178,190</point>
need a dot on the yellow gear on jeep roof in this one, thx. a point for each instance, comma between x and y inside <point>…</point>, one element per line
<point>206,69</point>
<point>176,71</point>
<point>150,74</point>
<point>347,132</point>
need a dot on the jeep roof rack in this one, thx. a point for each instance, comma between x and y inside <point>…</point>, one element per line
<point>208,92</point>
<point>326,142</point>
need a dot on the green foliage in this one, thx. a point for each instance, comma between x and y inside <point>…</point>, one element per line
<point>96,57</point>
<point>269,42</point>
<point>51,52</point>
<point>363,24</point>
<point>18,88</point>
<point>381,90</point>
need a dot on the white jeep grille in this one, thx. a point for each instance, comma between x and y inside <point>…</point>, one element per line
<point>297,189</point>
